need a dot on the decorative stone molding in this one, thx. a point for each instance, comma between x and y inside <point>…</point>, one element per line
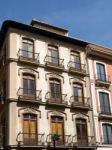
<point>54,75</point>
<point>30,110</point>
<point>28,70</point>
<point>56,113</point>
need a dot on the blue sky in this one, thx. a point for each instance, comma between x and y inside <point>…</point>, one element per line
<point>89,20</point>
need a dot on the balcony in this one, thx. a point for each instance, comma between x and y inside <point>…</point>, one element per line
<point>54,63</point>
<point>28,57</point>
<point>105,115</point>
<point>77,68</point>
<point>85,142</point>
<point>62,142</point>
<point>80,102</point>
<point>103,80</point>
<point>56,99</point>
<point>30,139</point>
<point>29,95</point>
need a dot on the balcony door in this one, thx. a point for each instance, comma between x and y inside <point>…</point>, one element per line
<point>78,93</point>
<point>29,90</point>
<point>75,59</point>
<point>27,49</point>
<point>107,133</point>
<point>55,89</point>
<point>29,129</point>
<point>81,128</point>
<point>101,75</point>
<point>57,127</point>
<point>53,55</point>
<point>104,103</point>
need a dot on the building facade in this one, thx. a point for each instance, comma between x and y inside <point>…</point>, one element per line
<point>53,87</point>
<point>100,66</point>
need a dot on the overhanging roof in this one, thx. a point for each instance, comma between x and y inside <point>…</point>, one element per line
<point>28,28</point>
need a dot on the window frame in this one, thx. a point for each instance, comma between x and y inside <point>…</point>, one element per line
<point>28,77</point>
<point>56,49</point>
<point>58,82</point>
<point>105,71</point>
<point>102,92</point>
<point>31,42</point>
<point>106,124</point>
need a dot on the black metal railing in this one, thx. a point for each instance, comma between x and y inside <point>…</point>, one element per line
<point>54,61</point>
<point>77,140</point>
<point>27,55</point>
<point>105,110</point>
<point>31,139</point>
<point>102,77</point>
<point>80,101</point>
<point>64,140</point>
<point>56,98</point>
<point>29,94</point>
<point>75,66</point>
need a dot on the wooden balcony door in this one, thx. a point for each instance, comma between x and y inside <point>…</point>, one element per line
<point>30,129</point>
<point>57,127</point>
<point>81,128</point>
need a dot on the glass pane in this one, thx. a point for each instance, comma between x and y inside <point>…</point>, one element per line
<point>106,103</point>
<point>57,90</point>
<point>54,57</point>
<point>101,72</point>
<point>109,128</point>
<point>78,131</point>
<point>105,134</point>
<point>101,102</point>
<point>30,50</point>
<point>25,86</point>
<point>31,87</point>
<point>78,65</point>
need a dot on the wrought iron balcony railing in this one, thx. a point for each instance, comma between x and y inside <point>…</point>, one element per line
<point>85,141</point>
<point>64,140</point>
<point>102,78</point>
<point>29,94</point>
<point>28,56</point>
<point>77,101</point>
<point>30,139</point>
<point>56,98</point>
<point>77,67</point>
<point>54,61</point>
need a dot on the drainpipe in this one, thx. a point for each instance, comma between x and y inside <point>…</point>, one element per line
<point>90,94</point>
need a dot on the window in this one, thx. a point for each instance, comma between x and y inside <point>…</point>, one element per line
<point>101,75</point>
<point>104,102</point>
<point>107,133</point>
<point>27,49</point>
<point>81,128</point>
<point>53,54</point>
<point>75,59</point>
<point>78,92</point>
<point>29,87</point>
<point>55,89</point>
<point>57,127</point>
<point>29,129</point>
